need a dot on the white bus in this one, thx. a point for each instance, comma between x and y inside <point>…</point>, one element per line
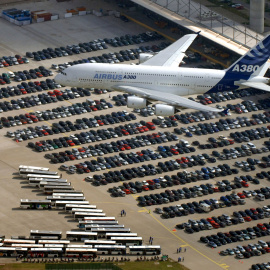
<point>82,215</point>
<point>62,189</point>
<point>12,251</point>
<point>54,242</point>
<point>103,231</point>
<point>99,218</point>
<point>110,249</point>
<point>54,246</point>
<point>110,235</point>
<point>128,241</point>
<point>61,204</point>
<point>54,199</point>
<point>144,250</point>
<point>83,223</point>
<point>87,206</point>
<point>33,168</point>
<point>80,252</point>
<point>46,252</point>
<point>9,242</point>
<point>80,236</point>
<point>42,176</point>
<point>67,194</point>
<point>51,188</point>
<point>91,226</point>
<point>79,209</point>
<point>25,172</point>
<point>27,245</point>
<point>39,233</point>
<point>36,182</point>
<point>35,204</point>
<point>79,246</point>
<point>99,242</point>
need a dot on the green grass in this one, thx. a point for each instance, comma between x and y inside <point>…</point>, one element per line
<point>150,265</point>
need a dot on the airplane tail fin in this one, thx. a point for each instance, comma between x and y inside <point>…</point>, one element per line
<point>254,62</point>
<point>226,111</point>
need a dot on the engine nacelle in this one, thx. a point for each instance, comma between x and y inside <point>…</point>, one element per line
<point>136,102</point>
<point>164,110</point>
<point>144,56</point>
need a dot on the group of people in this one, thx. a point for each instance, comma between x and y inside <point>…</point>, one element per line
<point>123,213</point>
<point>179,250</point>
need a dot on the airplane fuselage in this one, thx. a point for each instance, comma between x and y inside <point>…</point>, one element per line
<point>178,81</point>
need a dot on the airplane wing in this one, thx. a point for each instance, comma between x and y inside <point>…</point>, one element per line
<point>165,97</point>
<point>172,55</point>
<point>257,85</point>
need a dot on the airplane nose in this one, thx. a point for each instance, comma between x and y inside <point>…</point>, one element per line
<point>59,78</point>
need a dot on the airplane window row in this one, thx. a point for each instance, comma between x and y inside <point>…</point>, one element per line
<point>193,77</point>
<point>112,72</point>
<point>174,84</point>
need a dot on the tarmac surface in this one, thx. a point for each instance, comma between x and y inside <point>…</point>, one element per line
<point>15,222</point>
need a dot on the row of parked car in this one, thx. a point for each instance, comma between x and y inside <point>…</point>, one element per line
<point>185,193</point>
<point>261,266</point>
<point>28,88</point>
<point>56,113</point>
<point>94,45</point>
<point>67,126</point>
<point>215,240</point>
<point>249,250</point>
<point>223,221</point>
<point>191,208</point>
<point>6,61</point>
<point>228,95</point>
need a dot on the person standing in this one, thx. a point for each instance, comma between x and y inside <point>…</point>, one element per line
<point>179,259</point>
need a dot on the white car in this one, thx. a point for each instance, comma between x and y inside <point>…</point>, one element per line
<point>266,209</point>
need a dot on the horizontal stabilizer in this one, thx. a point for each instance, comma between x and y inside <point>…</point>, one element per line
<point>257,85</point>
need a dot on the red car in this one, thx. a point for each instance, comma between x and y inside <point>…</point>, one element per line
<point>261,226</point>
<point>247,218</point>
<point>127,191</point>
<point>100,122</point>
<point>93,108</point>
<point>174,151</point>
<point>244,184</point>
<point>241,195</point>
<point>184,159</point>
<point>71,157</point>
<point>39,74</point>
<point>52,94</point>
<point>150,125</point>
<point>70,143</point>
<point>121,148</point>
<point>126,146</point>
<point>33,118</point>
<point>140,129</point>
<point>145,188</point>
<point>124,132</point>
<point>57,92</point>
<point>145,128</point>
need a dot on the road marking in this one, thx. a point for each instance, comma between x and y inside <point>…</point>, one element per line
<point>142,211</point>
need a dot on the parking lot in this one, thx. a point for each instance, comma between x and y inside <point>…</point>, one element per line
<point>126,137</point>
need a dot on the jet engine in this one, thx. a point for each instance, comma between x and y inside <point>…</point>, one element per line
<point>136,102</point>
<point>144,56</point>
<point>164,110</point>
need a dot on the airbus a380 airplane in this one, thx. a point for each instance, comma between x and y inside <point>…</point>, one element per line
<point>161,79</point>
